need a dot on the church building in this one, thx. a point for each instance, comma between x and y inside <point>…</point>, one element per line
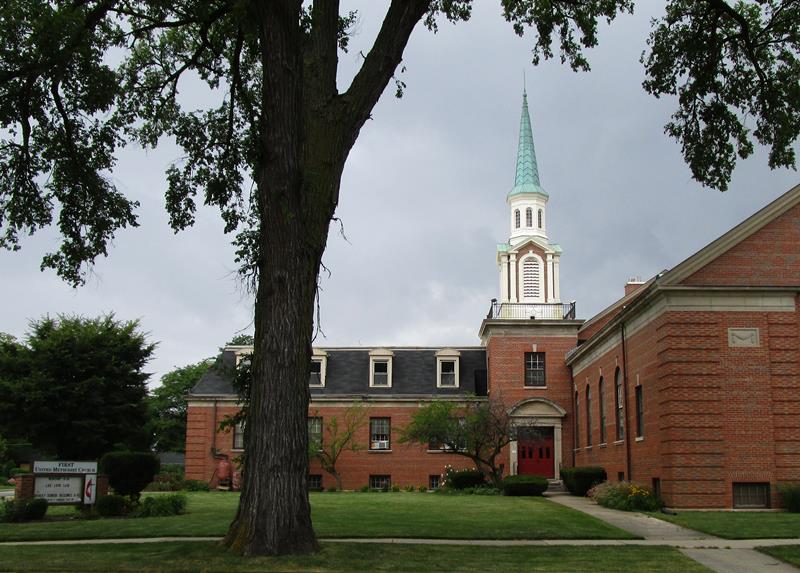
<point>689,383</point>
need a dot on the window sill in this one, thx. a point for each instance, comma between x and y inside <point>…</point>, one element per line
<point>535,387</point>
<point>236,450</point>
<point>316,385</point>
<point>603,445</point>
<point>383,386</point>
<point>380,451</point>
<point>639,438</point>
<point>456,387</point>
<point>588,448</point>
<point>443,451</point>
<point>619,442</point>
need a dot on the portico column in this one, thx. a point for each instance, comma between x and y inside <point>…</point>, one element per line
<point>557,448</point>
<point>550,287</point>
<point>513,294</point>
<point>512,461</point>
<point>556,280</point>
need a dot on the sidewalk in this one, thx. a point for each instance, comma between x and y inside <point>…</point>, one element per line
<point>721,555</point>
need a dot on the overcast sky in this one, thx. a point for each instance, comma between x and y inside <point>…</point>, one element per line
<point>423,201</point>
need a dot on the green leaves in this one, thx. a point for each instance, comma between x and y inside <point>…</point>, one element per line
<point>735,70</point>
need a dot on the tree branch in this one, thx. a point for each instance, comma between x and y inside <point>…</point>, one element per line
<point>745,33</point>
<point>380,63</point>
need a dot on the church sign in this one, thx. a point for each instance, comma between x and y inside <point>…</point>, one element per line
<point>65,483</point>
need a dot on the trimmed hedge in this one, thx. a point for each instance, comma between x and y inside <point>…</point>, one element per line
<point>111,505</point>
<point>524,485</point>
<point>579,480</point>
<point>162,505</point>
<point>23,509</point>
<point>626,496</point>
<point>462,479</point>
<point>790,496</point>
<point>130,472</point>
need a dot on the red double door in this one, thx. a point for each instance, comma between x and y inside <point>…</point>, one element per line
<point>536,456</point>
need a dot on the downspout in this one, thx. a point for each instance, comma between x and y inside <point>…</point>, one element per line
<point>625,399</point>
<point>574,417</point>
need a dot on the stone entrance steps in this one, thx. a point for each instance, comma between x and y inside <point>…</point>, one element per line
<point>555,485</point>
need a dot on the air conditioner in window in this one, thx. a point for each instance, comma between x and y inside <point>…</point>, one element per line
<point>380,444</point>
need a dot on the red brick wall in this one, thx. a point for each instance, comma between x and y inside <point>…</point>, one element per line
<point>714,415</point>
<point>506,358</point>
<point>770,256</point>
<point>407,464</point>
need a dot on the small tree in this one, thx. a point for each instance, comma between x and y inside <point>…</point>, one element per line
<point>478,430</point>
<point>338,438</point>
<point>167,407</point>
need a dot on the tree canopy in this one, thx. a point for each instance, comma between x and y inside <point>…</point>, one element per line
<point>167,406</point>
<point>76,388</point>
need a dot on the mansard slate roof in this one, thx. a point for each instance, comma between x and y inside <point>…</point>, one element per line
<point>414,373</point>
<point>527,175</point>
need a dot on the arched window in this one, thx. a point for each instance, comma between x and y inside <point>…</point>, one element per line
<point>577,422</point>
<point>618,405</point>
<point>588,415</point>
<point>531,279</point>
<point>601,398</point>
<point>541,213</point>
<point>516,218</point>
<point>529,217</point>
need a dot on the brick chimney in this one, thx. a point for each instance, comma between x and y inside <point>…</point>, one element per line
<point>633,284</point>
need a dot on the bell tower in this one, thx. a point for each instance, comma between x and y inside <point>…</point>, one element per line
<point>528,262</point>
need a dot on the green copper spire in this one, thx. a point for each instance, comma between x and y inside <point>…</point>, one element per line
<point>527,178</point>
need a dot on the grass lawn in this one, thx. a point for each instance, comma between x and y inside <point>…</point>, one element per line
<point>789,553</point>
<point>350,515</point>
<point>739,524</point>
<point>202,556</point>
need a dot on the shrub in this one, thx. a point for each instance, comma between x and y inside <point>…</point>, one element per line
<point>364,488</point>
<point>129,472</point>
<point>409,488</point>
<point>422,489</point>
<point>395,488</point>
<point>162,505</point>
<point>111,505</point>
<point>332,489</point>
<point>196,485</point>
<point>625,496</point>
<point>475,490</point>
<point>461,479</point>
<point>790,496</point>
<point>524,485</point>
<point>23,509</point>
<point>579,480</point>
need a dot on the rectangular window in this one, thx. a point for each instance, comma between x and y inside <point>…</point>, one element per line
<point>315,482</point>
<point>657,488</point>
<point>619,402</point>
<point>380,373</point>
<point>577,422</point>
<point>315,432</point>
<point>433,481</point>
<point>447,375</point>
<point>380,433</point>
<point>751,495</point>
<point>588,416</point>
<point>639,412</point>
<point>601,404</point>
<point>534,369</point>
<point>238,436</point>
<point>315,377</point>
<point>380,482</point>
<point>620,476</point>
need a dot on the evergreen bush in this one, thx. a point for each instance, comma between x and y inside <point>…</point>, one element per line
<point>462,479</point>
<point>790,496</point>
<point>130,472</point>
<point>579,480</point>
<point>23,509</point>
<point>111,505</point>
<point>196,485</point>
<point>162,505</point>
<point>524,485</point>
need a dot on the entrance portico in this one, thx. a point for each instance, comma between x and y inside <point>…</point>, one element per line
<point>536,458</point>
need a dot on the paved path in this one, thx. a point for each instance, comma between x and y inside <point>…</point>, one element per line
<point>721,555</point>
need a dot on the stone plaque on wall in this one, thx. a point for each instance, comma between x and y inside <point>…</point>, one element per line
<point>743,337</point>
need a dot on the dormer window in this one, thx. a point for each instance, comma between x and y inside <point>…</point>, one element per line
<point>529,217</point>
<point>516,219</point>
<point>541,214</point>
<point>380,369</point>
<point>447,368</point>
<point>319,363</point>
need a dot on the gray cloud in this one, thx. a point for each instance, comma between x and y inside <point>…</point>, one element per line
<point>423,201</point>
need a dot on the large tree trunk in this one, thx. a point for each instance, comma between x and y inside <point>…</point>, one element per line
<point>307,132</point>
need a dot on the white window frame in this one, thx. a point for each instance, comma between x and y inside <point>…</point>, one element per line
<point>321,357</point>
<point>238,430</point>
<point>448,355</point>
<point>541,281</point>
<point>380,355</point>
